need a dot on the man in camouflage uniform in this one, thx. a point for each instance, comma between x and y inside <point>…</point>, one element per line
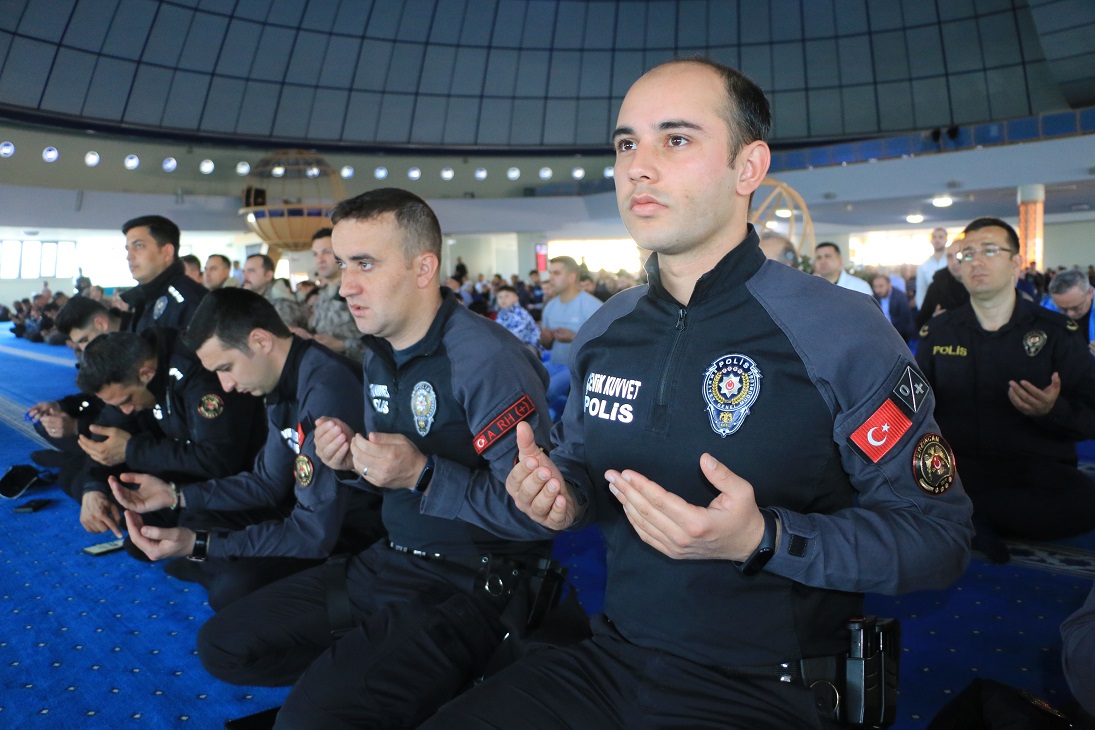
<point>258,276</point>
<point>332,324</point>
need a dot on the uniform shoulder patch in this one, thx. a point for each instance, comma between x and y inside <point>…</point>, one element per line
<point>933,464</point>
<point>503,423</point>
<point>924,331</point>
<point>881,431</point>
<point>210,406</point>
<point>303,470</point>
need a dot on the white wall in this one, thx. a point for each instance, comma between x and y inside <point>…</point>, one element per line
<point>1070,244</point>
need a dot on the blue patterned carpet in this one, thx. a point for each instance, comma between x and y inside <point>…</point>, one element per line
<point>106,642</point>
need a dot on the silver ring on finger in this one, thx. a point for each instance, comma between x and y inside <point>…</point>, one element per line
<point>365,473</point>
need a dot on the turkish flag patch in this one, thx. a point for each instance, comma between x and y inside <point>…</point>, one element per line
<point>881,431</point>
<point>503,423</point>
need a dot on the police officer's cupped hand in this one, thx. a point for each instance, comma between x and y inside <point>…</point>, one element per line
<point>159,543</point>
<point>110,452</point>
<point>332,441</point>
<point>392,460</point>
<point>99,514</point>
<point>1030,400</point>
<point>151,494</point>
<point>730,528</point>
<point>537,486</point>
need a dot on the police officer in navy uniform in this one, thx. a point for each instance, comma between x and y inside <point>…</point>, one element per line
<point>750,442</point>
<point>241,340</point>
<point>1016,390</point>
<point>166,296</point>
<point>444,388</point>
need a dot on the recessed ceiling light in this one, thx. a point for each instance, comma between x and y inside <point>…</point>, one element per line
<point>480,173</point>
<point>414,173</point>
<point>170,164</point>
<point>131,162</point>
<point>91,159</point>
<point>914,218</point>
<point>380,173</point>
<point>346,172</point>
<point>578,173</point>
<point>206,167</point>
<point>278,171</point>
<point>513,173</point>
<point>545,173</point>
<point>447,173</point>
<point>50,154</point>
<point>7,149</point>
<point>312,172</point>
<point>942,201</point>
<point>243,167</point>
<point>610,172</point>
<point>783,212</point>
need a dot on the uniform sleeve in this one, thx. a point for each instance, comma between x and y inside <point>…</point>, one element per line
<point>904,533</point>
<point>513,387</point>
<point>214,420</point>
<point>268,483</point>
<point>1073,415</point>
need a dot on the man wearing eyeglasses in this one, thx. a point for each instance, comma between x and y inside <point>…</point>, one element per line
<point>1015,391</point>
<point>1070,293</point>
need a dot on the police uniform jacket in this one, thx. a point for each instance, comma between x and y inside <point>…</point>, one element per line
<point>804,390</point>
<point>457,395</point>
<point>204,432</point>
<point>315,382</point>
<point>169,300</point>
<point>969,369</point>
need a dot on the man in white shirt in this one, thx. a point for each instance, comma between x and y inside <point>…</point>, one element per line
<point>829,265</point>
<point>935,262</point>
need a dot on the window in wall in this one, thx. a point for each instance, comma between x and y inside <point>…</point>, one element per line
<point>9,259</point>
<point>66,259</point>
<point>32,260</point>
<point>49,258</point>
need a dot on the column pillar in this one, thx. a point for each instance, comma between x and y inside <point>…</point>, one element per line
<point>1031,200</point>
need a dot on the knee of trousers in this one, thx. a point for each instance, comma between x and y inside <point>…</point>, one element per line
<point>223,650</point>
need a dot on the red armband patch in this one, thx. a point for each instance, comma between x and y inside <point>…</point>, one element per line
<point>881,431</point>
<point>503,423</point>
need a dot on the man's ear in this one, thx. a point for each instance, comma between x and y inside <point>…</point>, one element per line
<point>146,372</point>
<point>426,267</point>
<point>101,323</point>
<point>752,165</point>
<point>260,340</point>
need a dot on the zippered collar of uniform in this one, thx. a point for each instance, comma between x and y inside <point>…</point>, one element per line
<point>424,347</point>
<point>734,269</point>
<point>286,390</point>
<point>1021,315</point>
<point>155,288</point>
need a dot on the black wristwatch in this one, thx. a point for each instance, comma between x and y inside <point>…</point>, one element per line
<point>767,548</point>
<point>201,547</point>
<point>425,477</point>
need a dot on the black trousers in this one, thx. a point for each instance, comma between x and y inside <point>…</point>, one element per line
<point>607,682</point>
<point>1038,500</point>
<point>423,632</point>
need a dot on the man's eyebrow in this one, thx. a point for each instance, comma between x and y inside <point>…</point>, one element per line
<point>362,257</point>
<point>665,126</point>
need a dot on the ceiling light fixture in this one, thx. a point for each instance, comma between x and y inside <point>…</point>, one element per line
<point>414,173</point>
<point>942,201</point>
<point>50,154</point>
<point>278,171</point>
<point>131,162</point>
<point>170,164</point>
<point>578,173</point>
<point>610,172</point>
<point>91,159</point>
<point>783,212</point>
<point>243,167</point>
<point>545,173</point>
<point>346,172</point>
<point>380,173</point>
<point>312,172</point>
<point>914,218</point>
<point>7,149</point>
<point>447,173</point>
<point>513,173</point>
<point>480,173</point>
<point>206,167</point>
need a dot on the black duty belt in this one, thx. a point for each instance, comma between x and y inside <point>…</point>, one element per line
<point>471,562</point>
<point>804,671</point>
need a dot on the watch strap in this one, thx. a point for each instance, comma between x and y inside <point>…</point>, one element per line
<point>767,547</point>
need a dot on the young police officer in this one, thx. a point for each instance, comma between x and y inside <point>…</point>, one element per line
<point>239,336</point>
<point>444,388</point>
<point>756,444</point>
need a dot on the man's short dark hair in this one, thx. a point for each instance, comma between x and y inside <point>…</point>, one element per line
<point>1013,237</point>
<point>222,257</point>
<point>321,233</point>
<point>419,224</point>
<point>191,260</point>
<point>112,358</point>
<point>267,262</point>
<point>568,263</point>
<point>78,313</point>
<point>829,244</point>
<point>746,112</point>
<point>230,315</point>
<point>507,287</point>
<point>163,230</point>
<point>1067,280</point>
<point>534,272</point>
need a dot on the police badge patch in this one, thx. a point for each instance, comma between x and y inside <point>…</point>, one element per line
<point>1034,341</point>
<point>210,406</point>
<point>933,464</point>
<point>730,387</point>
<point>159,307</point>
<point>424,407</point>
<point>302,469</point>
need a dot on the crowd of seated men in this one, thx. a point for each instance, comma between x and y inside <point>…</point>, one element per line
<point>209,409</point>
